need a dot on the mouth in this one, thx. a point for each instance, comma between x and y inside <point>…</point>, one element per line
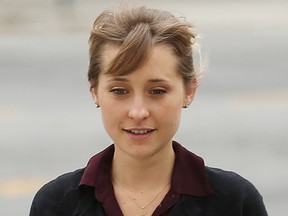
<point>140,131</point>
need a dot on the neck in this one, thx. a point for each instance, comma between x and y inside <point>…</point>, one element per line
<point>142,174</point>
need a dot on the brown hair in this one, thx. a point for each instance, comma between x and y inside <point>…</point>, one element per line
<point>135,31</point>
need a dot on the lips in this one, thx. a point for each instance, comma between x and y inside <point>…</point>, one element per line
<point>139,131</point>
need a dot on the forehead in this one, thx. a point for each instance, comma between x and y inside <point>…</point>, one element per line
<point>160,53</point>
<point>109,52</point>
<point>161,66</point>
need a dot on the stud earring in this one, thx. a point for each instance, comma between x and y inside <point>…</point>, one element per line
<point>97,105</point>
<point>186,105</point>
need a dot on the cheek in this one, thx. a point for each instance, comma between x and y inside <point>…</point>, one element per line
<point>172,105</point>
<point>109,116</point>
<point>170,114</point>
<point>112,115</point>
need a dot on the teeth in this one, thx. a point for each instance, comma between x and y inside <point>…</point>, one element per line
<point>139,131</point>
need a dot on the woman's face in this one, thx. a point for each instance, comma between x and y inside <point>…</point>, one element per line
<point>141,111</point>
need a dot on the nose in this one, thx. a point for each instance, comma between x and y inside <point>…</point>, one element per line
<point>138,110</point>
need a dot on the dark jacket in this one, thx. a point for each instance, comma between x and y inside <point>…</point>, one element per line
<point>233,196</point>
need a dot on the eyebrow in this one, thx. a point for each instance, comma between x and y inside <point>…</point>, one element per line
<point>121,79</point>
<point>117,79</point>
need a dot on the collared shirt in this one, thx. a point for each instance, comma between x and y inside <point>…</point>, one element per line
<point>189,195</point>
<point>188,178</point>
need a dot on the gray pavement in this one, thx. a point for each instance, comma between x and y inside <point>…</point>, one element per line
<point>49,124</point>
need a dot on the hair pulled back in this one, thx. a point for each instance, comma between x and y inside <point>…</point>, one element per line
<point>135,31</point>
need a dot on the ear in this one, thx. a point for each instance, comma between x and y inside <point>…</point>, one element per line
<point>190,91</point>
<point>94,95</point>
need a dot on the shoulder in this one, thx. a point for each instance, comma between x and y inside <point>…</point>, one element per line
<point>69,180</point>
<point>48,199</point>
<point>234,190</point>
<point>224,182</point>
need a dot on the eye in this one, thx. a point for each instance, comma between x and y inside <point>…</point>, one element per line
<point>119,91</point>
<point>158,91</point>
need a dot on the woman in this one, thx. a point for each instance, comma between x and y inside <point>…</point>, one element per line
<point>142,76</point>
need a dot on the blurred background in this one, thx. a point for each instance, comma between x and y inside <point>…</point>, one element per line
<point>49,124</point>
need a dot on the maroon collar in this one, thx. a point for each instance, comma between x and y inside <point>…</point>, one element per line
<point>189,176</point>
